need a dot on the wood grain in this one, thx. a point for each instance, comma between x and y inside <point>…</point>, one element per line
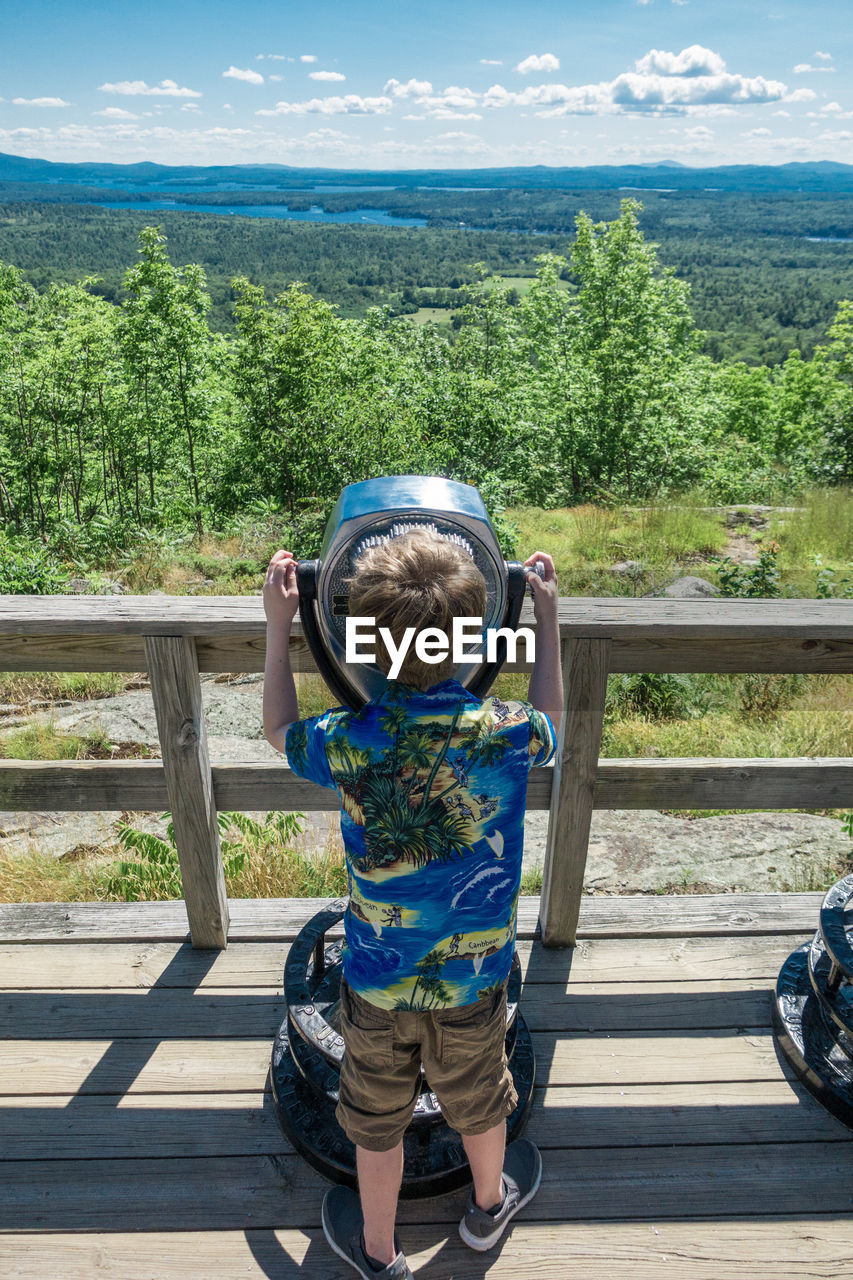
<point>585,667</point>
<point>253,919</point>
<point>783,1247</point>
<point>175,685</point>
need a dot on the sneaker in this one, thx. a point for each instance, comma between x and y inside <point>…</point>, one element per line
<point>522,1174</point>
<point>343,1225</point>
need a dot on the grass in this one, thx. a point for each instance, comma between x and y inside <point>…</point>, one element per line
<point>274,866</point>
<point>823,527</point>
<point>666,537</point>
<point>23,688</point>
<point>586,540</point>
<point>41,741</point>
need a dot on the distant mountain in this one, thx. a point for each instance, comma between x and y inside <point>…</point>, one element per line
<point>820,175</point>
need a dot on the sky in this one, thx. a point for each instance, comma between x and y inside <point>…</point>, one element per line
<point>356,84</point>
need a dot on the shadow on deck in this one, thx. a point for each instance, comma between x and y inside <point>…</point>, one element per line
<point>139,1140</point>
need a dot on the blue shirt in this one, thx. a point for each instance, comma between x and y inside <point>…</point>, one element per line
<point>432,789</point>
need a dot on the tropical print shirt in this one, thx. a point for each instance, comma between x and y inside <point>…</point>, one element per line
<point>432,790</point>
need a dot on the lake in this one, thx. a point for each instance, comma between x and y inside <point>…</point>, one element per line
<point>366,217</point>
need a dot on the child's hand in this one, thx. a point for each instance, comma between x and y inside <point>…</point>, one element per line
<point>545,590</point>
<point>281,594</point>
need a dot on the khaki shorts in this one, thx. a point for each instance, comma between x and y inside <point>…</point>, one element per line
<point>463,1053</point>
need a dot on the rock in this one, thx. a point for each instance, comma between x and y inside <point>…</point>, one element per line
<point>642,851</point>
<point>755,517</point>
<point>691,588</point>
<point>78,586</point>
<point>630,568</point>
<point>119,589</point>
<point>67,835</point>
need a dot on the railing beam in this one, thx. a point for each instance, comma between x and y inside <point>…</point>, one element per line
<point>585,668</point>
<point>175,685</point>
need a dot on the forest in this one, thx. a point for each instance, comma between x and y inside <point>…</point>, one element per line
<point>117,418</point>
<point>760,287</point>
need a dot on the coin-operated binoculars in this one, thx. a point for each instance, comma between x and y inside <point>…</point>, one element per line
<point>308,1048</point>
<point>377,511</point>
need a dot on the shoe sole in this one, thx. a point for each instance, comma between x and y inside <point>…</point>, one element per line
<point>482,1243</point>
<point>337,1249</point>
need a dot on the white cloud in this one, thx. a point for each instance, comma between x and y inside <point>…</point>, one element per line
<point>802,67</point>
<point>651,90</point>
<point>165,89</point>
<point>491,62</point>
<point>325,75</point>
<point>40,102</point>
<point>349,105</point>
<point>699,133</point>
<point>453,103</point>
<point>226,106</point>
<point>834,109</point>
<point>276,78</point>
<point>411,89</point>
<point>307,57</point>
<point>758,133</point>
<point>695,60</point>
<point>238,73</point>
<point>190,106</point>
<point>116,113</point>
<point>538,62</point>
<point>800,95</point>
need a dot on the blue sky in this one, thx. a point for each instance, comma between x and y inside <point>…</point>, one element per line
<point>370,83</point>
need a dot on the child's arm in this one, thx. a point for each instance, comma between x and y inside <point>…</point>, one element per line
<point>546,680</point>
<point>281,600</point>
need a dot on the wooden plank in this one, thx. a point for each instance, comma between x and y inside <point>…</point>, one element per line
<point>815,652</point>
<point>76,1127</point>
<point>211,1065</point>
<point>608,961</point>
<point>186,1124</point>
<point>685,782</point>
<point>712,783</point>
<point>784,1248</point>
<point>585,667</point>
<point>638,1183</point>
<point>181,1012</point>
<point>176,689</point>
<point>253,919</point>
<point>81,785</point>
<point>234,651</point>
<point>587,616</point>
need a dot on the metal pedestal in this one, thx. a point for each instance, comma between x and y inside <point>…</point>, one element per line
<point>813,1010</point>
<point>306,1071</point>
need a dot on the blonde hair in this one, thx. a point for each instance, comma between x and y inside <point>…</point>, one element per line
<point>417,580</point>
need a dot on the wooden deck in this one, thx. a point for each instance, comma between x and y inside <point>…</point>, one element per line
<point>138,1141</point>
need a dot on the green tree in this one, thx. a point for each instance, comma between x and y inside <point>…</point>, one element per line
<point>171,360</point>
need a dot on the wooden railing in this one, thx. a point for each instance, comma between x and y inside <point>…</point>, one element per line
<point>175,638</point>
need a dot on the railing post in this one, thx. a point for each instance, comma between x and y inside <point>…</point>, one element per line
<point>585,666</point>
<point>175,685</point>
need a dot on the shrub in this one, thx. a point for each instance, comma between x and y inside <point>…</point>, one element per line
<point>654,696</point>
<point>28,568</point>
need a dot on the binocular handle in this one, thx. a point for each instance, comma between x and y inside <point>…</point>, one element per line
<point>516,584</point>
<point>306,581</point>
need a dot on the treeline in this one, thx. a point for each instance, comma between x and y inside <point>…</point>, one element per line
<point>759,288</point>
<point>116,418</point>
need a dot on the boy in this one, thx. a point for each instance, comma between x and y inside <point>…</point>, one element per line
<point>432,783</point>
